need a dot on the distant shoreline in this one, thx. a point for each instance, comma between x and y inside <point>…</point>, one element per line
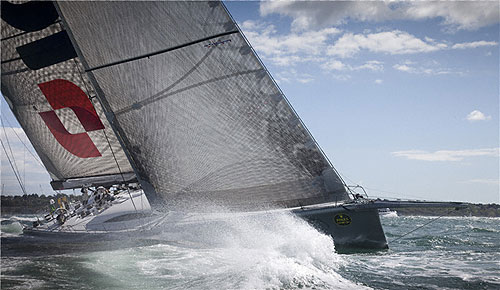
<point>35,204</point>
<point>30,204</point>
<point>476,210</point>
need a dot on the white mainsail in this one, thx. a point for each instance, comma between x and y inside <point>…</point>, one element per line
<point>46,87</point>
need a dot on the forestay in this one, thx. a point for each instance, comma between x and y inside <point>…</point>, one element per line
<point>47,89</point>
<point>197,112</point>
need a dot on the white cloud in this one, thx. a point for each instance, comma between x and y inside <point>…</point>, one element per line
<point>390,42</point>
<point>372,65</point>
<point>292,75</point>
<point>477,116</point>
<point>402,67</point>
<point>282,79</point>
<point>313,14</point>
<point>433,69</point>
<point>310,47</point>
<point>474,44</point>
<point>467,15</point>
<point>378,81</point>
<point>394,42</point>
<point>250,25</point>
<point>305,80</point>
<point>285,60</point>
<point>446,155</point>
<point>285,50</point>
<point>341,77</point>
<point>334,65</point>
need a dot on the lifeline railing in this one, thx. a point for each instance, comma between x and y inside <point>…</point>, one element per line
<point>352,188</point>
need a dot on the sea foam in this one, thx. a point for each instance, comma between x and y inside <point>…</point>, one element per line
<point>230,251</point>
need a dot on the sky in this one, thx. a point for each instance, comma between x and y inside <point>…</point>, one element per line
<point>403,97</point>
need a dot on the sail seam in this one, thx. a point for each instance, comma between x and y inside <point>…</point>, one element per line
<point>15,72</point>
<point>161,51</point>
<point>10,60</point>
<point>25,32</point>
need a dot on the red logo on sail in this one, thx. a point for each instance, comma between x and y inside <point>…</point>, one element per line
<point>65,94</point>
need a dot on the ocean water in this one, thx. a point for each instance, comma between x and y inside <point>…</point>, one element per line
<point>278,251</point>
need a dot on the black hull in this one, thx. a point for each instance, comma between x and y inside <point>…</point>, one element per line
<point>351,229</point>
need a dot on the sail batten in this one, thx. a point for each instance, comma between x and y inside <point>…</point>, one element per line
<point>196,111</point>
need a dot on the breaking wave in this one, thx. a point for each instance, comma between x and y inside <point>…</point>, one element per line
<point>13,225</point>
<point>272,251</point>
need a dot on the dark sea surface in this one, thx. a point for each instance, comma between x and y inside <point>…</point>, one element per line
<point>273,252</point>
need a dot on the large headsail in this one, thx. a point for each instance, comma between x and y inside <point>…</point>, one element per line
<point>46,87</point>
<point>197,112</point>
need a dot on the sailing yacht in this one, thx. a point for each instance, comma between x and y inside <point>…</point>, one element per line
<point>172,96</point>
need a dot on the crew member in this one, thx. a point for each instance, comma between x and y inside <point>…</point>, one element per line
<point>52,206</point>
<point>85,195</point>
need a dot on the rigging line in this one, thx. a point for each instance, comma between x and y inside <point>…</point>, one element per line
<point>348,179</point>
<point>349,187</point>
<point>398,194</point>
<point>384,191</point>
<point>17,177</point>
<point>34,156</point>
<point>24,166</point>
<point>105,135</point>
<point>119,169</point>
<point>8,143</point>
<point>427,223</point>
<point>160,51</point>
<point>10,149</point>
